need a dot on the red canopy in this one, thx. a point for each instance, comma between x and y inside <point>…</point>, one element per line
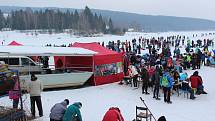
<point>14,43</point>
<point>103,56</point>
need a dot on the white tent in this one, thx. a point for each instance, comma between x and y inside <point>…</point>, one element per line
<point>43,51</point>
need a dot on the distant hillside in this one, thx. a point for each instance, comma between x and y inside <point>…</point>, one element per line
<point>142,22</point>
<point>158,23</point>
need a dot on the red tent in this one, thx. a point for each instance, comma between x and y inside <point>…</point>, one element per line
<point>106,64</point>
<point>14,43</point>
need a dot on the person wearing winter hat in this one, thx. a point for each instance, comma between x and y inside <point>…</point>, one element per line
<point>58,110</point>
<point>73,112</point>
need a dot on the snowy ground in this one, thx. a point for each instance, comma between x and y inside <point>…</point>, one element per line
<point>97,100</point>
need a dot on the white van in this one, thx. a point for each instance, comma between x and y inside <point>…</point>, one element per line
<point>23,64</point>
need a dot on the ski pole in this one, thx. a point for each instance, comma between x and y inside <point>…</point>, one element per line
<point>147,108</point>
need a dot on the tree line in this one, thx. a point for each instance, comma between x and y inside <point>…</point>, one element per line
<point>84,21</point>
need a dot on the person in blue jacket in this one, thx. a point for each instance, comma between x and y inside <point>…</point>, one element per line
<point>211,60</point>
<point>167,84</point>
<point>73,112</point>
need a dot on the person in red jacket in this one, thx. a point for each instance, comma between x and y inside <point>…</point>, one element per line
<point>196,82</point>
<point>113,114</point>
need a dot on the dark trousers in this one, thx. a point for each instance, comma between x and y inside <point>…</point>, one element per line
<point>126,49</point>
<point>198,66</point>
<point>203,62</point>
<point>54,120</point>
<point>156,91</point>
<point>193,65</point>
<point>145,87</point>
<point>166,91</point>
<point>187,65</point>
<point>135,80</point>
<point>36,99</point>
<point>15,103</point>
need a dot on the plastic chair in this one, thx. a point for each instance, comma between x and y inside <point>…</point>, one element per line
<point>143,113</point>
<point>186,93</point>
<point>185,90</point>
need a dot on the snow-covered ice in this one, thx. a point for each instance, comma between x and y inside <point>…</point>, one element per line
<point>96,101</point>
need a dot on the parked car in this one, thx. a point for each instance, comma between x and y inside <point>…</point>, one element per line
<point>23,64</point>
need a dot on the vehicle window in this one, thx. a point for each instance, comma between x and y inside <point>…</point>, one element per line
<point>13,61</point>
<point>27,62</point>
<point>4,59</point>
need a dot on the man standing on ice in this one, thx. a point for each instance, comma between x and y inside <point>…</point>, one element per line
<point>35,88</point>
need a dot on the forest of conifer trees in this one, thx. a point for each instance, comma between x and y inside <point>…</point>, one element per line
<point>84,21</point>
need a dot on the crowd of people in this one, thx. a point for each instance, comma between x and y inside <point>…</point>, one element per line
<point>162,68</point>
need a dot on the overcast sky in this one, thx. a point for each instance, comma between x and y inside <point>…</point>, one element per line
<point>184,8</point>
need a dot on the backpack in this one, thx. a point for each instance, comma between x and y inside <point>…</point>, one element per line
<point>164,81</point>
<point>13,94</point>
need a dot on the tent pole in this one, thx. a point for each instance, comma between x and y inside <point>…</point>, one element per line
<point>93,70</point>
<point>64,65</point>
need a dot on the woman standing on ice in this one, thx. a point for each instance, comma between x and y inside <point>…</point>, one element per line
<point>134,74</point>
<point>15,93</point>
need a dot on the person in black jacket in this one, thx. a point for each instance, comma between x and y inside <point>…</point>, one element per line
<point>156,80</point>
<point>145,79</point>
<point>198,59</point>
<point>194,61</point>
